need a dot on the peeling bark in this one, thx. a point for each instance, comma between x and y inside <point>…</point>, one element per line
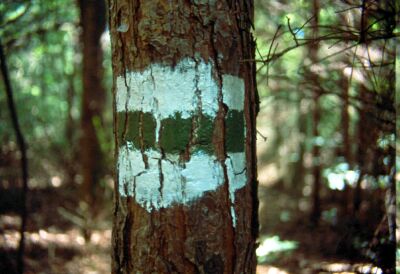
<point>216,231</point>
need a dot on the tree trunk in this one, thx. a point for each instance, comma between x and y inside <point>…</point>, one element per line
<point>368,133</point>
<point>185,104</point>
<point>299,168</point>
<point>345,120</point>
<point>314,80</point>
<point>70,126</point>
<point>93,20</point>
<point>346,150</point>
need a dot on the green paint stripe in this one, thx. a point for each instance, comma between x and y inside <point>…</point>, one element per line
<point>234,123</point>
<point>132,128</point>
<point>175,132</point>
<point>204,134</point>
<point>149,128</point>
<point>133,133</point>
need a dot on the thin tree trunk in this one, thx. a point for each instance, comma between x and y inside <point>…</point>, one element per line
<point>362,147</point>
<point>299,168</point>
<point>347,149</point>
<point>368,132</point>
<point>70,125</point>
<point>314,79</point>
<point>24,160</point>
<point>385,111</point>
<point>185,107</point>
<point>316,170</point>
<point>389,129</point>
<point>93,20</point>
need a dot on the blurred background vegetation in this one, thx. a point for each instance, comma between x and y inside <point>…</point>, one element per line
<point>326,144</point>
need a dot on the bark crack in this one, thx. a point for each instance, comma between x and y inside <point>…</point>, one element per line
<point>251,109</point>
<point>161,176</point>
<point>234,169</point>
<point>221,152</point>
<point>128,94</point>
<point>141,140</point>
<point>126,242</point>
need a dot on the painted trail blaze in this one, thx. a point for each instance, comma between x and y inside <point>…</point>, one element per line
<point>165,113</point>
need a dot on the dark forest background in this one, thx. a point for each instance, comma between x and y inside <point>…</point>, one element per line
<point>326,136</point>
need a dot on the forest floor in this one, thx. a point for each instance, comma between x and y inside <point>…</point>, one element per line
<point>57,223</point>
<point>300,247</point>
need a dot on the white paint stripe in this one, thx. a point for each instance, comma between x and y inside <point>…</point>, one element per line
<point>181,184</point>
<point>163,90</point>
<point>233,216</point>
<point>235,165</point>
<point>233,92</point>
<point>202,173</point>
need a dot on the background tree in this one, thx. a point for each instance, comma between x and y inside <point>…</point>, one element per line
<point>24,162</point>
<point>185,103</point>
<point>354,41</point>
<point>93,22</point>
<point>42,46</point>
<point>312,78</point>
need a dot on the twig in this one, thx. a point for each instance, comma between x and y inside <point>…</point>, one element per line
<point>24,160</point>
<point>262,136</point>
<point>275,56</point>
<point>338,52</point>
<point>258,51</point>
<point>383,57</point>
<point>351,8</point>
<point>306,22</point>
<point>270,47</point>
<point>362,23</point>
<point>292,32</point>
<point>352,65</point>
<point>370,66</point>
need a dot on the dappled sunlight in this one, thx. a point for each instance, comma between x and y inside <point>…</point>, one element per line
<point>340,267</point>
<point>323,267</point>
<point>268,175</point>
<point>66,252</point>
<point>340,175</point>
<point>265,269</point>
<point>273,244</point>
<point>45,238</point>
<point>56,181</point>
<point>8,221</point>
<point>10,240</point>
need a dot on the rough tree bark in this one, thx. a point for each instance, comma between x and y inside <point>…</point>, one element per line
<point>185,104</point>
<point>93,21</point>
